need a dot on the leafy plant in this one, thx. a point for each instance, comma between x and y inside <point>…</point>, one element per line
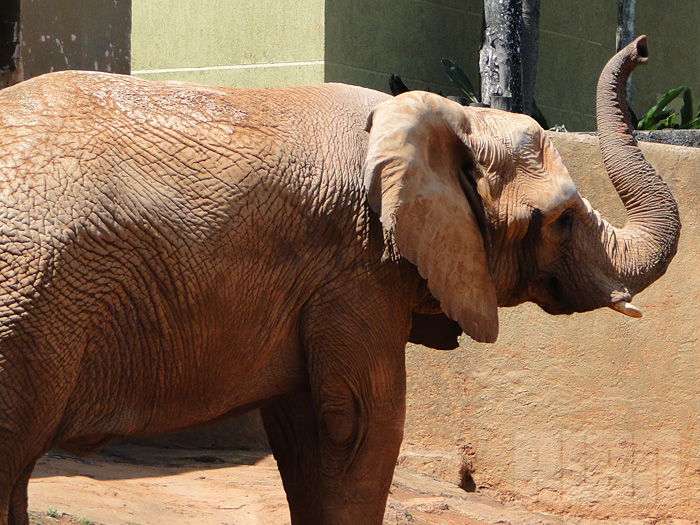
<point>660,117</point>
<point>397,86</point>
<point>85,521</point>
<point>52,513</point>
<point>459,78</point>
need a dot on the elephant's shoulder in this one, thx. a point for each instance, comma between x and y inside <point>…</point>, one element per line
<point>370,96</point>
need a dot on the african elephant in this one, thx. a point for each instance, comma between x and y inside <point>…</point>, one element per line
<point>173,254</point>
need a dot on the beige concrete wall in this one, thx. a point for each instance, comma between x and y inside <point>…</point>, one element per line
<point>251,43</point>
<point>596,414</point>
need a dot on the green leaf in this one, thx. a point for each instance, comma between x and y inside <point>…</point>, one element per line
<point>669,122</point>
<point>659,121</point>
<point>687,109</point>
<point>396,85</point>
<point>658,112</point>
<point>460,79</point>
<point>693,124</point>
<point>650,122</point>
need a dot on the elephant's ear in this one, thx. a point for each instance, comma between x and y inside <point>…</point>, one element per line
<point>418,145</point>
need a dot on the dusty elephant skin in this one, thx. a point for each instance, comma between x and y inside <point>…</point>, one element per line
<point>172,254</point>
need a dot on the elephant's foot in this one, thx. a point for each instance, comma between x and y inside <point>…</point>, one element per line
<point>349,487</point>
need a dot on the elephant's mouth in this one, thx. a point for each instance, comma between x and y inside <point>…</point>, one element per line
<point>555,290</point>
<point>559,299</point>
<point>553,297</point>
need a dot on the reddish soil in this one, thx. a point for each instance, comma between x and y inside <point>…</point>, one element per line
<point>132,484</point>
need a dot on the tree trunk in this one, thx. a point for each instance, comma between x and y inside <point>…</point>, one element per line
<point>500,58</point>
<point>625,33</point>
<point>531,42</point>
<point>625,23</point>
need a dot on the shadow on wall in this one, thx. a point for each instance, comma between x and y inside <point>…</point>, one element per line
<point>9,41</point>
<point>38,37</point>
<point>244,432</point>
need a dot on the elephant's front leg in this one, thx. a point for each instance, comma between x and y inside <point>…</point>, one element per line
<point>337,446</point>
<point>290,424</point>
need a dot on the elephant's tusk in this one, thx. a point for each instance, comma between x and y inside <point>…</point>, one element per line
<point>627,308</point>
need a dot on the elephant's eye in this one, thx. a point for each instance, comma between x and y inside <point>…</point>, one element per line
<point>565,221</point>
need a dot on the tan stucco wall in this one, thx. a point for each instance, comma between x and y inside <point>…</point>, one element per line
<point>597,413</point>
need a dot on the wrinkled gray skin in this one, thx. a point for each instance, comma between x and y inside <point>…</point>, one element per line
<point>173,254</point>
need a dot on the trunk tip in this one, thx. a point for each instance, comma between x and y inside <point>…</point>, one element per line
<point>640,49</point>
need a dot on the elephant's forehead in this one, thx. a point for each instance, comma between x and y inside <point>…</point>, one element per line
<point>518,155</point>
<point>516,131</point>
<point>553,187</point>
<point>540,170</point>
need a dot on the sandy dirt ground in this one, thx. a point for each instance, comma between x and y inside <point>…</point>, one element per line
<point>131,484</point>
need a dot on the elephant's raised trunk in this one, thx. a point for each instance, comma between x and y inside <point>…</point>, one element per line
<point>641,251</point>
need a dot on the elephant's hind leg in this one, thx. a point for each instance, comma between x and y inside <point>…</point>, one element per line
<point>32,402</point>
<point>20,438</point>
<point>13,496</point>
<point>18,499</point>
<point>19,452</point>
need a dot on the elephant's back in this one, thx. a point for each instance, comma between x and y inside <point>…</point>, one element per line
<point>99,154</point>
<point>59,114</point>
<point>92,97</point>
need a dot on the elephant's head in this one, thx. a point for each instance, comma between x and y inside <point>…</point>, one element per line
<point>481,202</point>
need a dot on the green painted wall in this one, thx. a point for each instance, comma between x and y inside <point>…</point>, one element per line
<point>575,43</point>
<point>270,43</point>
<point>252,43</point>
<point>367,40</point>
<point>577,39</point>
<point>672,28</point>
<point>267,43</point>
